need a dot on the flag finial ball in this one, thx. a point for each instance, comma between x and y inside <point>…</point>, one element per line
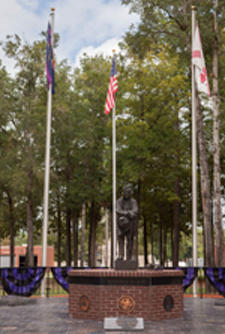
<point>113,50</point>
<point>192,7</point>
<point>52,9</point>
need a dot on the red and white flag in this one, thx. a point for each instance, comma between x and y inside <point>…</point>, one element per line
<point>113,88</point>
<point>199,62</point>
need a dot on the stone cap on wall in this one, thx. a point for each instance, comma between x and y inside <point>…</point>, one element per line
<point>125,273</point>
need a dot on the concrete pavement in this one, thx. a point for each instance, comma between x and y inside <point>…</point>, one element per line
<point>50,315</point>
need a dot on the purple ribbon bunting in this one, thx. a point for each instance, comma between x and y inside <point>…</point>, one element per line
<point>190,273</point>
<point>61,276</point>
<point>22,281</point>
<point>216,277</point>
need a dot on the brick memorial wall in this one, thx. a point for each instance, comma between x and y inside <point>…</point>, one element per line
<point>99,293</point>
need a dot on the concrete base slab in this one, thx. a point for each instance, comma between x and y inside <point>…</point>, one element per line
<point>124,324</point>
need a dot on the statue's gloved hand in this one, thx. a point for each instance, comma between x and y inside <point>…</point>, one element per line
<point>131,214</point>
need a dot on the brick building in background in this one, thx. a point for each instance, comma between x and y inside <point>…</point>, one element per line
<point>20,254</point>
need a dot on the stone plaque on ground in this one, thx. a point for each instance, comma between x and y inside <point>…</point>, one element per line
<point>124,324</point>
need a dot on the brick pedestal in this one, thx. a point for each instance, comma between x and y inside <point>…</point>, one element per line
<point>99,293</point>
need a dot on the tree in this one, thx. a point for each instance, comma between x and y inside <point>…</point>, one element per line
<point>216,149</point>
<point>148,142</point>
<point>91,82</point>
<point>26,118</point>
<point>169,22</point>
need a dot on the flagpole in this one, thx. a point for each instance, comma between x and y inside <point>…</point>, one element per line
<point>114,181</point>
<point>106,236</point>
<point>47,169</point>
<point>194,164</point>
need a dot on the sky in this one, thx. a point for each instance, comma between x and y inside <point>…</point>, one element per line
<point>91,26</point>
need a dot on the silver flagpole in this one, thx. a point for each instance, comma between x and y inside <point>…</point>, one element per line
<point>106,236</point>
<point>114,182</point>
<point>194,172</point>
<point>114,186</point>
<point>47,168</point>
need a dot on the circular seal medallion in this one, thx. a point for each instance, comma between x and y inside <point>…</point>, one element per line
<point>168,303</point>
<point>126,304</point>
<point>84,303</point>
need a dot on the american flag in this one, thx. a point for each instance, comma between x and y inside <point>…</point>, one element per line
<point>113,88</point>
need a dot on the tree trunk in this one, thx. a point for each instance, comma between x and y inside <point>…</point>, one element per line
<point>176,203</point>
<point>145,242</point>
<point>176,225</point>
<point>160,242</point>
<point>30,254</point>
<point>152,243</point>
<point>11,223</point>
<point>75,238</point>
<point>205,189</point>
<point>58,233</point>
<point>68,238</point>
<point>216,149</point>
<point>172,246</point>
<point>209,288</point>
<point>165,248</point>
<point>82,233</point>
<point>92,235</point>
<point>138,202</point>
<point>90,250</point>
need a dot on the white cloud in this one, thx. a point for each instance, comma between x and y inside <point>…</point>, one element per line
<point>83,25</point>
<point>29,4</point>
<point>104,49</point>
<point>90,23</point>
<point>19,19</point>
